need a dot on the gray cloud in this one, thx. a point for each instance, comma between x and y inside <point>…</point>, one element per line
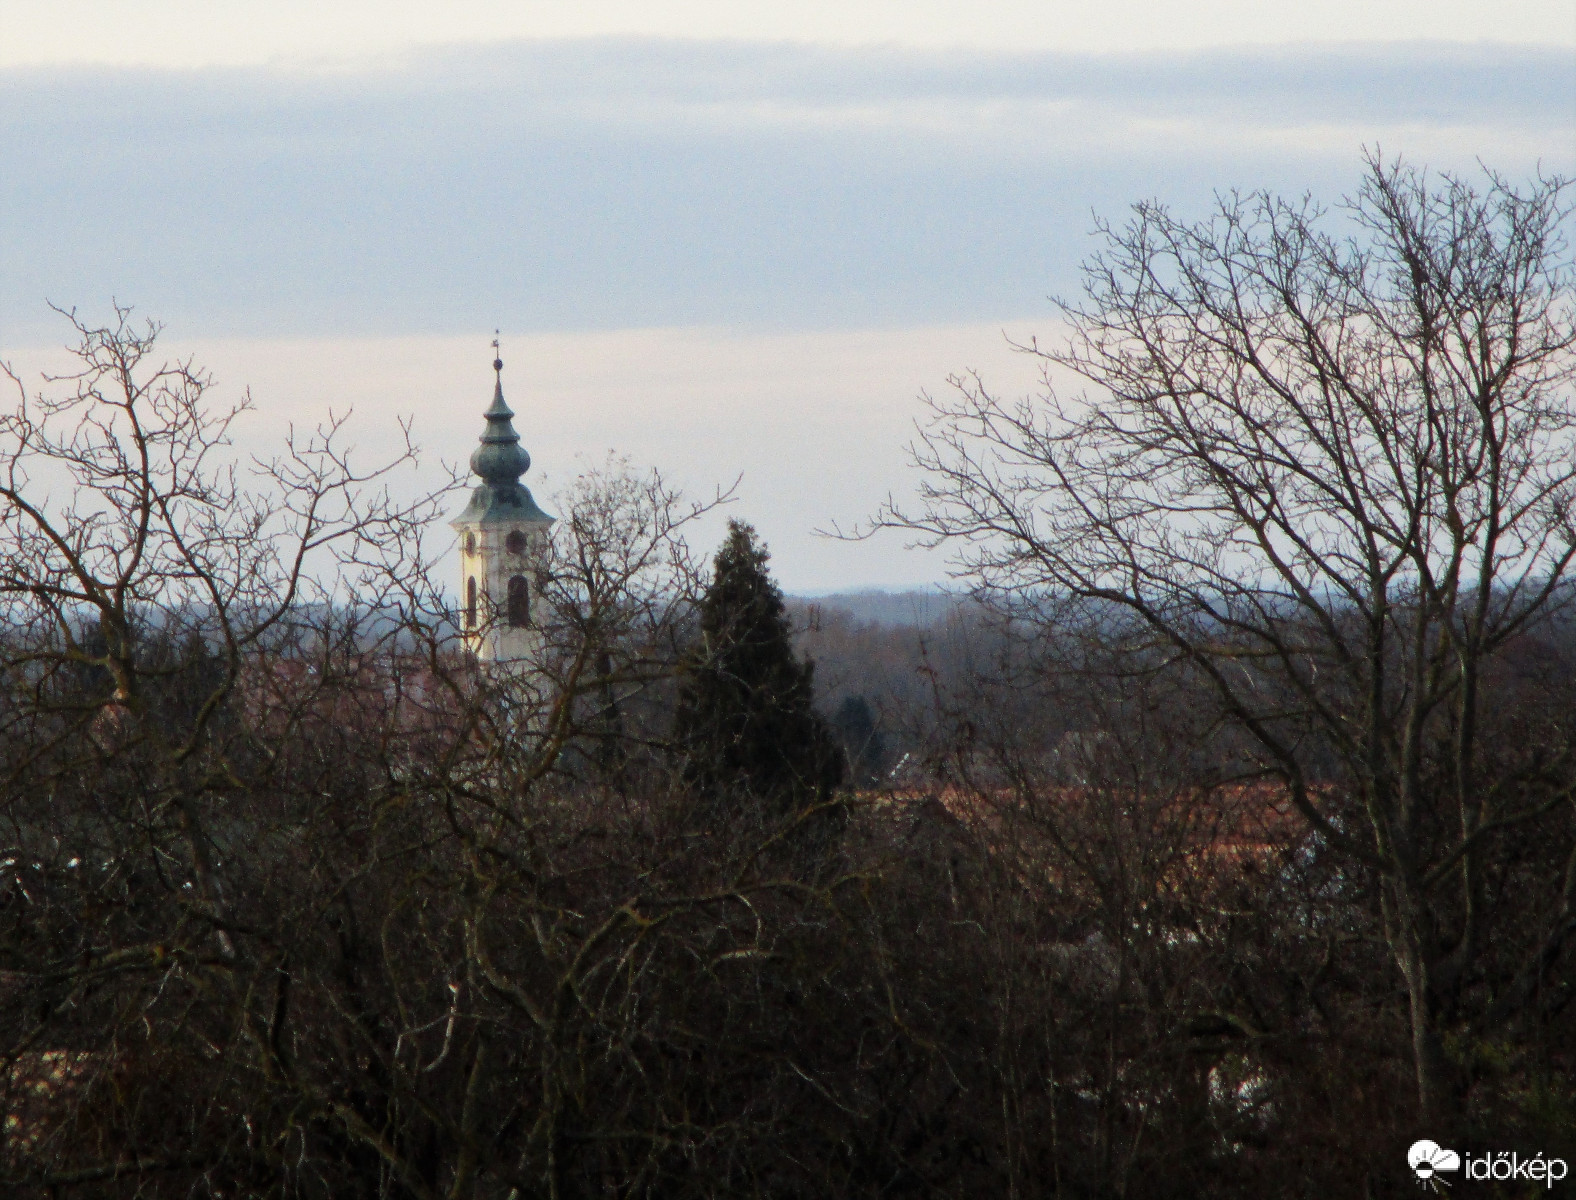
<point>612,183</point>
<point>1426,81</point>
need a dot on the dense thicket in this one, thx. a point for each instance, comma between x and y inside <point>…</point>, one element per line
<point>437,975</point>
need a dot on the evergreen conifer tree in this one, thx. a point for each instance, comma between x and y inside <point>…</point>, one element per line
<point>746,721</point>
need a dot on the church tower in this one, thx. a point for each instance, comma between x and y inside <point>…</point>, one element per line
<point>503,538</point>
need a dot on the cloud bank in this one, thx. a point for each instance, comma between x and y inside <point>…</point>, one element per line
<point>602,184</point>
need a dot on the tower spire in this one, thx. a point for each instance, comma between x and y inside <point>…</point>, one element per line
<point>504,541</point>
<point>500,461</point>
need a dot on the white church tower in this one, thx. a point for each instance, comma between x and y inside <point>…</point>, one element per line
<point>503,539</point>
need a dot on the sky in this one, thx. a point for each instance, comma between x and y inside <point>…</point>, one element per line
<point>728,240</point>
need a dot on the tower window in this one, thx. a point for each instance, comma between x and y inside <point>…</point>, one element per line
<point>519,601</point>
<point>470,543</point>
<point>470,603</point>
<point>515,542</point>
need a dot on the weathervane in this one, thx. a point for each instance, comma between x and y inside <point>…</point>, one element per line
<point>497,354</point>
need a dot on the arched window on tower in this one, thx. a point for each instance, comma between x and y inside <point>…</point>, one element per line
<point>515,542</point>
<point>470,603</point>
<point>519,601</point>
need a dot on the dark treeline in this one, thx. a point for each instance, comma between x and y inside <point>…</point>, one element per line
<point>1064,953</point>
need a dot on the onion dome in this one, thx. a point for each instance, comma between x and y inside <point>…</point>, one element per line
<point>500,460</point>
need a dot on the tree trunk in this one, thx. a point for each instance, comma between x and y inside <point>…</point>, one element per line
<point>1437,1094</point>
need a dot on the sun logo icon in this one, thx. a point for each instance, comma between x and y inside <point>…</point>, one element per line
<point>1427,1159</point>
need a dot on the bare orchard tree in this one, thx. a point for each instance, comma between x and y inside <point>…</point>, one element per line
<point>1326,465</point>
<point>127,518</point>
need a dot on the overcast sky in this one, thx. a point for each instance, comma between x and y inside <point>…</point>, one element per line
<point>715,241</point>
<point>196,33</point>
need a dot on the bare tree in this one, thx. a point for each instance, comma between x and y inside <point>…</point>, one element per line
<point>618,586</point>
<point>153,529</point>
<point>1328,467</point>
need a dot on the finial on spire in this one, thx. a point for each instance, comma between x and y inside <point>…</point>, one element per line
<point>497,355</point>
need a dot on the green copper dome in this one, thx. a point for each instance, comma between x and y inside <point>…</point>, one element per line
<point>500,460</point>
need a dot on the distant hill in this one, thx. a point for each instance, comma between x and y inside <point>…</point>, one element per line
<point>917,608</point>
